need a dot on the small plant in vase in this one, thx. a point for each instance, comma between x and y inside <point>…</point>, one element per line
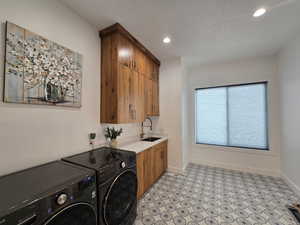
<point>111,134</point>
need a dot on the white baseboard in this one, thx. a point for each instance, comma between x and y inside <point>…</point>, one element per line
<point>173,169</point>
<point>242,169</point>
<point>291,184</point>
<point>184,167</point>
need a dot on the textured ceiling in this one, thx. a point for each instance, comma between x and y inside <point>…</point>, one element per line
<point>202,31</point>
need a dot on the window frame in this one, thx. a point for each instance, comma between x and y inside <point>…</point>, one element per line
<point>266,119</point>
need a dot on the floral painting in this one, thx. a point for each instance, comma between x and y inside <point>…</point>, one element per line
<point>39,71</point>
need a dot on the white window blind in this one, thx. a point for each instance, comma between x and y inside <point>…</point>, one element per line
<point>233,116</point>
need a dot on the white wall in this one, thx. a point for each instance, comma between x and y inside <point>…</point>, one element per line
<point>289,76</point>
<point>169,122</point>
<point>31,135</point>
<point>185,119</point>
<point>237,72</point>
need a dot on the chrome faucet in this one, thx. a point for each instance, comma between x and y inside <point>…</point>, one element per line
<point>143,134</point>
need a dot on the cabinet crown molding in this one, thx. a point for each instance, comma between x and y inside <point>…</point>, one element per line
<point>118,28</point>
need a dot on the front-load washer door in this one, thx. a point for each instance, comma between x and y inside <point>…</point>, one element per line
<point>75,214</point>
<point>121,198</point>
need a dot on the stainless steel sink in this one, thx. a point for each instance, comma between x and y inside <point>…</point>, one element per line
<point>151,139</point>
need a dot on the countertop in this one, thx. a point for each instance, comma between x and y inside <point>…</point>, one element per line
<point>141,146</point>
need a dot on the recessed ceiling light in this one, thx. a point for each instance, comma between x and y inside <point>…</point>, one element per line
<point>259,12</point>
<point>167,40</point>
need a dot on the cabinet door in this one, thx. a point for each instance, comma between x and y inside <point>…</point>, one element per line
<point>133,93</point>
<point>158,161</point>
<point>148,171</point>
<point>165,155</point>
<point>125,51</point>
<point>109,83</point>
<point>131,96</point>
<point>137,97</point>
<point>140,173</point>
<point>139,61</point>
<point>124,101</point>
<point>141,98</point>
<point>151,97</point>
<point>151,69</point>
<point>148,67</point>
<point>135,59</point>
<point>155,98</point>
<point>155,73</point>
<point>148,97</point>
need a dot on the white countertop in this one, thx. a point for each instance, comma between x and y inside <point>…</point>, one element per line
<point>141,146</point>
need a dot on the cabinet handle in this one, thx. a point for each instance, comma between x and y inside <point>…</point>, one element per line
<point>130,111</point>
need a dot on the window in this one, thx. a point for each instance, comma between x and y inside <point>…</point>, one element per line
<point>234,116</point>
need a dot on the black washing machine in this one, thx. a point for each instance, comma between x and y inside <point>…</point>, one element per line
<point>56,193</point>
<point>117,183</point>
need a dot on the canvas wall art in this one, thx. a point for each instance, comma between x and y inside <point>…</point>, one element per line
<point>39,71</point>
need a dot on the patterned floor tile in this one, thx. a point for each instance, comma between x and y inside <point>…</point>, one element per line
<point>215,196</point>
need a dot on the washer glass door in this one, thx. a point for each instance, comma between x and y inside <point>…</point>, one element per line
<point>76,214</point>
<point>121,198</point>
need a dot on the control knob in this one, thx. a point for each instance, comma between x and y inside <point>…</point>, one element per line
<point>123,164</point>
<point>62,199</point>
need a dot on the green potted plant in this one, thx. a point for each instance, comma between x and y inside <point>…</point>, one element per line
<point>111,134</point>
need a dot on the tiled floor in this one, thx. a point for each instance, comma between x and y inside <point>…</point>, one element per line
<point>209,196</point>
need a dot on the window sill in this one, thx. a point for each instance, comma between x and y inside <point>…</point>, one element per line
<point>231,146</point>
<point>243,150</point>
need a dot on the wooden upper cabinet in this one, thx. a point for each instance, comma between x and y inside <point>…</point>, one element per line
<point>126,70</point>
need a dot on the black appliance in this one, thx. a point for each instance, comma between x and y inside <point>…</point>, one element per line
<point>117,183</point>
<point>56,193</point>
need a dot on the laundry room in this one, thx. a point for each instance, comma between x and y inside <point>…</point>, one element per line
<point>124,112</point>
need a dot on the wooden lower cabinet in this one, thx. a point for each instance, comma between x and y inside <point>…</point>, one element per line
<point>140,165</point>
<point>151,164</point>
